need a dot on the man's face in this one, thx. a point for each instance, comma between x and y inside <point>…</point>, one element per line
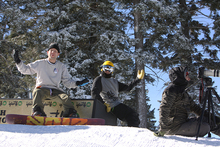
<point>53,53</point>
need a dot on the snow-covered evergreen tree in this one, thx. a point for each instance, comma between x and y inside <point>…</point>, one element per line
<point>88,33</point>
<point>171,35</point>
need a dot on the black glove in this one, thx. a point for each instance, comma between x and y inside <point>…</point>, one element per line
<point>83,82</point>
<point>15,56</point>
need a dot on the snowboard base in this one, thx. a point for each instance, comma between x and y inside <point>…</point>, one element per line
<point>41,120</point>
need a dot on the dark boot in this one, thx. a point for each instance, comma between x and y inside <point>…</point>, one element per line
<point>71,113</point>
<point>38,112</point>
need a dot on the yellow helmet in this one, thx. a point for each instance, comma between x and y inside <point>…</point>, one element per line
<point>108,63</point>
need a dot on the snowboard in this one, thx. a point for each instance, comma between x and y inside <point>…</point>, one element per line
<point>41,120</point>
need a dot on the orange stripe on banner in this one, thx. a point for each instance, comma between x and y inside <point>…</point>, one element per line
<point>31,120</point>
<point>65,121</point>
<point>38,120</point>
<point>52,121</point>
<point>78,121</point>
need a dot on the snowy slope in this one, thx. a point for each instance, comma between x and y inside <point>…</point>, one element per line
<point>92,136</point>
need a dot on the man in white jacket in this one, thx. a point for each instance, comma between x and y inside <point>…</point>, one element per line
<point>50,72</point>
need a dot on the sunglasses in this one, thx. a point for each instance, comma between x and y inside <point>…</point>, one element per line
<point>108,68</point>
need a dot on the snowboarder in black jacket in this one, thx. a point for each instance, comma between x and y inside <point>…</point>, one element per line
<point>105,88</point>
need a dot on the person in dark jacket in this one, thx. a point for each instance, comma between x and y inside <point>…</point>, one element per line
<point>175,107</point>
<point>105,88</point>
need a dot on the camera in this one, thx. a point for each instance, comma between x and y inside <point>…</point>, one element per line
<point>205,73</point>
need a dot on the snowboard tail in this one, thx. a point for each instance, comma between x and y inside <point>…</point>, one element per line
<point>41,120</point>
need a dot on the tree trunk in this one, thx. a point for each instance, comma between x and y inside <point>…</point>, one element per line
<point>140,89</point>
<point>185,24</point>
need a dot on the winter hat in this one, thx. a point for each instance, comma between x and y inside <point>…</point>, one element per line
<point>54,45</point>
<point>177,75</point>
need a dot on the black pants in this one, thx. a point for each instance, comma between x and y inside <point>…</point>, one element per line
<point>125,113</point>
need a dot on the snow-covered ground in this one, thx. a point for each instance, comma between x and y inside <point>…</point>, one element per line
<point>92,136</point>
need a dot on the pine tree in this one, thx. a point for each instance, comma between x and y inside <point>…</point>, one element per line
<point>88,33</point>
<point>170,34</point>
<point>91,32</point>
<point>13,84</point>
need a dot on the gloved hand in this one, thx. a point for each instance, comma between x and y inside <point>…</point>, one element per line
<point>15,56</point>
<point>140,74</point>
<point>83,82</point>
<point>159,134</point>
<point>108,108</point>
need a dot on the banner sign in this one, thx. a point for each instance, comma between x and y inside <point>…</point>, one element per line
<point>84,108</point>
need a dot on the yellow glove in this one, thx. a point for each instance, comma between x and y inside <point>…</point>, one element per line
<point>108,108</point>
<point>140,74</point>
